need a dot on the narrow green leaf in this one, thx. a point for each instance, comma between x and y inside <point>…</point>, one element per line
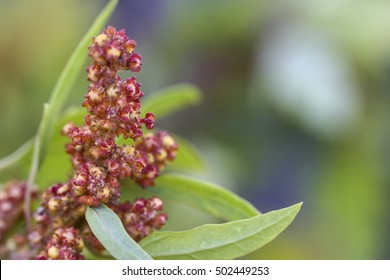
<point>36,150</point>
<point>16,156</point>
<point>108,228</point>
<point>63,86</point>
<point>168,100</point>
<point>204,196</point>
<point>224,241</point>
<point>34,166</point>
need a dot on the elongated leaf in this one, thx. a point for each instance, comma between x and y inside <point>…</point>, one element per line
<point>35,157</point>
<point>207,197</point>
<point>15,157</point>
<point>34,166</point>
<point>108,228</point>
<point>224,241</point>
<point>63,86</point>
<point>168,100</point>
<point>16,164</point>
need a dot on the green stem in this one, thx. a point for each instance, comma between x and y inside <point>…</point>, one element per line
<point>34,167</point>
<point>16,156</point>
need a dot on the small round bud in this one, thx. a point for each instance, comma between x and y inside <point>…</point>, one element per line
<point>168,141</point>
<point>159,220</point>
<point>64,189</point>
<point>130,45</point>
<point>135,62</point>
<point>81,179</point>
<point>69,236</point>
<point>54,204</point>
<point>156,204</point>
<point>103,194</point>
<point>53,252</point>
<point>67,128</point>
<point>89,200</point>
<point>113,52</point>
<point>101,39</point>
<point>79,190</point>
<point>149,120</point>
<point>161,155</point>
<point>110,30</point>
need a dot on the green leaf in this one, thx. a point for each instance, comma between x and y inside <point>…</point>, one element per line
<point>207,197</point>
<point>34,166</point>
<point>35,157</point>
<point>92,256</point>
<point>224,241</point>
<point>15,157</point>
<point>108,228</point>
<point>72,69</point>
<point>168,100</point>
<point>16,164</point>
<point>188,157</point>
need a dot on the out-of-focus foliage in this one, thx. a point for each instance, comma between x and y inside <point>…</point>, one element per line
<point>295,108</point>
<point>37,38</point>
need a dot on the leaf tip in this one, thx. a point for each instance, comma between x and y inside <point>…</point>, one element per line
<point>296,208</point>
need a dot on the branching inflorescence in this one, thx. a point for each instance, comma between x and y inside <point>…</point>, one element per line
<point>99,163</point>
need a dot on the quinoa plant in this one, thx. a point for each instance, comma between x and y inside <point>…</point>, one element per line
<point>94,209</point>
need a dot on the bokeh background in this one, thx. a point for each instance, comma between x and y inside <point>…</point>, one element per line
<point>296,102</point>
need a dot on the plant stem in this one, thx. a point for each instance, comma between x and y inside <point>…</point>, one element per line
<point>16,156</point>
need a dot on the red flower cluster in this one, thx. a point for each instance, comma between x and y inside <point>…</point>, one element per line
<point>59,208</point>
<point>99,163</point>
<point>11,205</point>
<point>158,148</point>
<point>141,218</point>
<point>113,107</point>
<point>64,244</point>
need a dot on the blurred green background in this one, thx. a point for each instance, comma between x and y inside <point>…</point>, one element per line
<point>296,102</point>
